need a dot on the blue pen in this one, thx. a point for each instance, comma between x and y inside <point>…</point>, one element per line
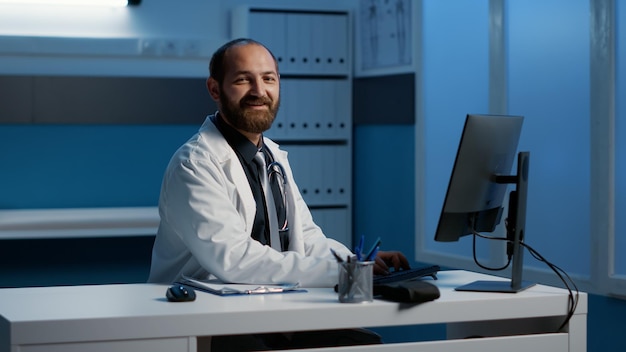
<point>359,249</point>
<point>372,255</point>
<point>374,250</point>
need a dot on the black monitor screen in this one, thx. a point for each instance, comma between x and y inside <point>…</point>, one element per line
<point>473,202</point>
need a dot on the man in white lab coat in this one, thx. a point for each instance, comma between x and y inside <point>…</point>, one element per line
<point>209,215</point>
<point>214,221</point>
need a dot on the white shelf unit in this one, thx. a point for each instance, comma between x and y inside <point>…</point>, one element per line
<point>314,124</point>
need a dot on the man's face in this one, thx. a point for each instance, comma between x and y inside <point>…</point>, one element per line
<point>250,92</point>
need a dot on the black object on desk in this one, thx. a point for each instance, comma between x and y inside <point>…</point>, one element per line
<point>408,274</point>
<point>180,293</point>
<point>416,291</point>
<point>403,286</point>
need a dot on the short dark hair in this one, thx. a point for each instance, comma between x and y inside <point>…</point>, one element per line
<point>216,66</point>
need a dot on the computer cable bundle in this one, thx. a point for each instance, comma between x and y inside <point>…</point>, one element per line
<point>569,284</point>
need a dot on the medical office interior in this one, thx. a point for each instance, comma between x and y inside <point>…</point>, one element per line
<point>94,101</point>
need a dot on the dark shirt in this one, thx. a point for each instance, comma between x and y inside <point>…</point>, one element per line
<point>246,151</point>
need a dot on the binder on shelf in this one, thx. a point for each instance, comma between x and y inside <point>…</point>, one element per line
<point>335,223</point>
<point>325,90</point>
<point>342,175</point>
<point>337,45</point>
<point>342,111</point>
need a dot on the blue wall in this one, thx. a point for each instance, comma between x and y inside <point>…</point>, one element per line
<point>65,166</point>
<point>384,185</point>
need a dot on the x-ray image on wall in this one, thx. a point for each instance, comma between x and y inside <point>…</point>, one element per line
<point>385,33</point>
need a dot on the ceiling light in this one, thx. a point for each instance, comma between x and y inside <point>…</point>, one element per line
<point>109,3</point>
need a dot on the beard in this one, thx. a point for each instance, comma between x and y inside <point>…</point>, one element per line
<point>241,117</point>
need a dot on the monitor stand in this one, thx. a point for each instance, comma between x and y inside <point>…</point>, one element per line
<point>515,233</point>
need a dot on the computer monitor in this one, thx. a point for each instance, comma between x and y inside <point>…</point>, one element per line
<point>477,189</point>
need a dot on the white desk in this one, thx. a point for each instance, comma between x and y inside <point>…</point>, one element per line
<point>137,318</point>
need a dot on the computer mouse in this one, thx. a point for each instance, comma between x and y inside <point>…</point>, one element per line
<point>180,293</point>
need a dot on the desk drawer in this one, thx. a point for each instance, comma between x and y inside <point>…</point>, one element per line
<point>156,345</point>
<point>522,343</point>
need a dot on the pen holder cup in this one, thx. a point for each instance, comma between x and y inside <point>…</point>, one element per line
<point>356,283</point>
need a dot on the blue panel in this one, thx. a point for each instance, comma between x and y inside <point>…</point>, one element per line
<point>64,166</point>
<point>548,47</point>
<point>605,324</point>
<point>455,83</point>
<point>620,142</point>
<point>384,185</point>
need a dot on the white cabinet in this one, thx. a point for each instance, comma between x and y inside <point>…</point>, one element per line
<point>314,123</point>
<point>305,42</point>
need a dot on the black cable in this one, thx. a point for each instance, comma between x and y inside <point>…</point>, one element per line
<point>473,220</point>
<point>562,275</point>
<point>573,298</point>
<point>482,265</point>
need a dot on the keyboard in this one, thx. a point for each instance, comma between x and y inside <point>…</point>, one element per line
<point>409,274</point>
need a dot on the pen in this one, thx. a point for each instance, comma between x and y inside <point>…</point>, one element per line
<point>372,255</point>
<point>339,260</point>
<point>374,250</point>
<point>359,249</point>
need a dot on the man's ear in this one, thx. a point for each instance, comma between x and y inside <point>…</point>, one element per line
<point>214,88</point>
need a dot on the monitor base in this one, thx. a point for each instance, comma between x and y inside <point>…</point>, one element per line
<point>494,286</point>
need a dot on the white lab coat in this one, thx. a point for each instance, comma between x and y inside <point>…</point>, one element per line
<point>207,211</point>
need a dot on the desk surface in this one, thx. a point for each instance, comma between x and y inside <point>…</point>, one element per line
<point>132,311</point>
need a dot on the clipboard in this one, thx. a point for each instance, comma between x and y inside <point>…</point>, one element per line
<point>221,289</point>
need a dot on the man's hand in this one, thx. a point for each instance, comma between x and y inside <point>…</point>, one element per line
<point>389,259</point>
